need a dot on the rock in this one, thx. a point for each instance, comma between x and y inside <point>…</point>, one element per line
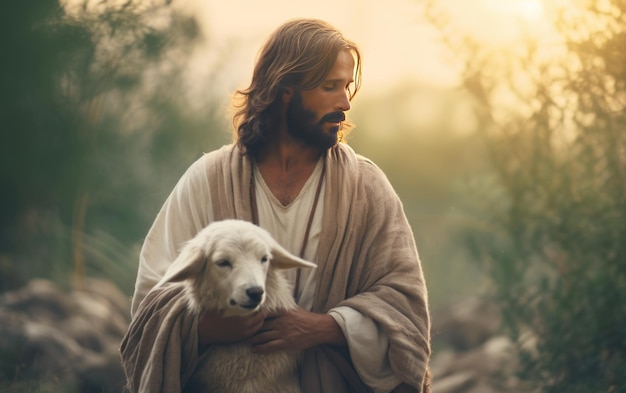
<point>458,382</point>
<point>40,300</point>
<point>442,364</point>
<point>470,354</point>
<point>466,324</point>
<point>65,341</point>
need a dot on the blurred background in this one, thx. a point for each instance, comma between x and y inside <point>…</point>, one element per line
<point>501,124</point>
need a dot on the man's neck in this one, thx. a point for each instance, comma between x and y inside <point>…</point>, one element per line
<point>288,157</point>
<point>286,167</point>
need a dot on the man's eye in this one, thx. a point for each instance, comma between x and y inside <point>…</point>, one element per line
<point>224,263</point>
<point>329,86</point>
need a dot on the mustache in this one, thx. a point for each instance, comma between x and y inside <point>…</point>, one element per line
<point>333,117</point>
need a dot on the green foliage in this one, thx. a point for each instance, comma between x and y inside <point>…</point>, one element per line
<point>554,243</point>
<point>95,129</point>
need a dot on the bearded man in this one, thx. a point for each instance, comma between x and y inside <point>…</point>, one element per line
<point>362,320</point>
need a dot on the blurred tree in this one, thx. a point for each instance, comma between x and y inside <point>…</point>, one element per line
<point>555,241</point>
<point>89,96</point>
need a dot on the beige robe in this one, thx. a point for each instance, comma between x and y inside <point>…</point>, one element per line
<point>364,233</point>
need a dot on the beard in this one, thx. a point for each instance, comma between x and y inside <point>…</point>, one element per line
<point>301,124</point>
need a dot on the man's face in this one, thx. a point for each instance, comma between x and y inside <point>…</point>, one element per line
<point>314,116</point>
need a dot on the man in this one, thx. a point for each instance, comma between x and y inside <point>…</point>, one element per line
<point>363,318</point>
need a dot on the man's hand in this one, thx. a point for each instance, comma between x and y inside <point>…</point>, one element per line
<point>297,330</point>
<point>216,329</point>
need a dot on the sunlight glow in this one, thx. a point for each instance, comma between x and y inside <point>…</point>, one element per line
<point>501,23</point>
<point>527,10</point>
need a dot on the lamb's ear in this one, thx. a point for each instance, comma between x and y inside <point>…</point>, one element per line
<point>283,259</point>
<point>190,263</point>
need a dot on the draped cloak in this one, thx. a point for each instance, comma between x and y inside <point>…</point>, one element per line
<point>367,260</point>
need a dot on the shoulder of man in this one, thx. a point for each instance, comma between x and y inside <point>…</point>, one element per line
<point>365,174</point>
<point>217,157</point>
<point>367,169</point>
<point>222,152</point>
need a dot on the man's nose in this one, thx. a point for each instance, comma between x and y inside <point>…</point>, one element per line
<point>344,101</point>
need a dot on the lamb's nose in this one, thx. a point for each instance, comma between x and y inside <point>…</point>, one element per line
<point>255,294</point>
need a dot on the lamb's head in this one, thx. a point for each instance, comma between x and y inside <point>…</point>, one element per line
<point>225,266</point>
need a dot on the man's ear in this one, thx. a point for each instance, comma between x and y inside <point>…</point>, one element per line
<point>286,93</point>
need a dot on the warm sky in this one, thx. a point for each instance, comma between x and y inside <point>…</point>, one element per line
<point>396,41</point>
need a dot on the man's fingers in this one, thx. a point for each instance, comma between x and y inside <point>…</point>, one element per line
<point>274,314</point>
<point>256,326</point>
<point>270,324</point>
<point>214,328</point>
<point>264,336</point>
<point>270,346</point>
<point>254,319</point>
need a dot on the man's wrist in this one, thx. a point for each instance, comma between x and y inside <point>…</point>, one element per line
<point>330,331</point>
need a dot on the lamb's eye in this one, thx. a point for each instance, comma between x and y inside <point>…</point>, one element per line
<point>224,263</point>
<point>264,259</point>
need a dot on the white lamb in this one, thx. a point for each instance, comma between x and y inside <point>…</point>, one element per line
<point>232,267</point>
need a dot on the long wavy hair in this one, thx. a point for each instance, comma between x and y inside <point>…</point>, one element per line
<point>299,54</point>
